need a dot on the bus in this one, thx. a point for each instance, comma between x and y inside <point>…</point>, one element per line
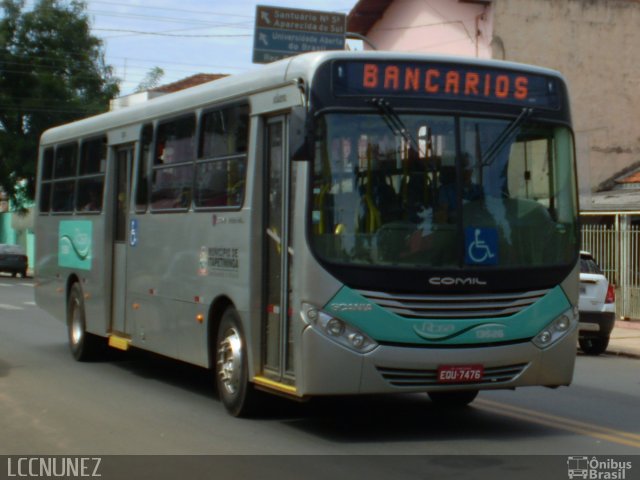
<point>334,223</point>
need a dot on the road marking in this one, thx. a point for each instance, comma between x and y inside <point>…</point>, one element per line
<point>4,306</point>
<point>7,284</point>
<point>26,284</point>
<point>31,304</point>
<point>554,421</point>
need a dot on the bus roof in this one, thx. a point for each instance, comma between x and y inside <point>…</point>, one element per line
<point>240,86</point>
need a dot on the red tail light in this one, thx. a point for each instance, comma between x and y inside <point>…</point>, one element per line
<point>611,294</point>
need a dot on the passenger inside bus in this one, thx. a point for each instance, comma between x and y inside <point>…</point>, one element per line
<point>447,192</point>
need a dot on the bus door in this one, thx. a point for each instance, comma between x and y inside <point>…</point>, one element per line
<point>123,155</point>
<point>277,357</point>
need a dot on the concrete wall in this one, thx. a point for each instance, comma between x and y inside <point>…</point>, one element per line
<point>596,45</point>
<point>438,26</point>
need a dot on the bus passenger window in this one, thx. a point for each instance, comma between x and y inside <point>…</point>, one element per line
<point>47,164</point>
<point>90,194</point>
<point>62,200</point>
<point>45,197</point>
<point>66,160</point>
<point>221,168</point>
<point>224,132</point>
<point>64,171</point>
<point>93,157</point>
<point>142,186</point>
<point>171,188</point>
<point>220,183</point>
<point>93,164</point>
<point>172,177</point>
<point>46,175</point>
<point>176,141</point>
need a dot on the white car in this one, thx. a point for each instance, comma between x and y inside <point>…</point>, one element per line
<point>596,305</point>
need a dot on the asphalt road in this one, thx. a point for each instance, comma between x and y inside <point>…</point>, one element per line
<point>137,403</point>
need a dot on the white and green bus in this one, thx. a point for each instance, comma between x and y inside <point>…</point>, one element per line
<point>335,223</point>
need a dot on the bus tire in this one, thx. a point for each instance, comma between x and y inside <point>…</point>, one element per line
<point>84,346</point>
<point>454,399</point>
<point>231,367</point>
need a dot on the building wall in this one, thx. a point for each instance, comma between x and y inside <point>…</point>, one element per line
<point>438,26</point>
<point>596,45</point>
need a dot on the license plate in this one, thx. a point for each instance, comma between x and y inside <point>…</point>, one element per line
<point>460,373</point>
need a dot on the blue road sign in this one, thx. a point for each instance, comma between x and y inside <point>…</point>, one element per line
<point>283,32</point>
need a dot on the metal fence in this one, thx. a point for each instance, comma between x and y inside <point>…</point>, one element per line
<point>617,251</point>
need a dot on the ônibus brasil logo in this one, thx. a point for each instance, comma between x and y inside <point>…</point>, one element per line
<point>593,468</point>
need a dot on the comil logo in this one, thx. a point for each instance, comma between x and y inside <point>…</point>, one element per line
<point>454,281</point>
<point>593,468</point>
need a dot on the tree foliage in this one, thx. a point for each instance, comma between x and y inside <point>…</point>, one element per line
<point>151,79</point>
<point>52,71</point>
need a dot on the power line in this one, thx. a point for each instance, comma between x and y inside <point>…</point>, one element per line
<point>165,34</point>
<point>165,9</point>
<point>172,19</point>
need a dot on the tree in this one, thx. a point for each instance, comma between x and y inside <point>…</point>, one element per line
<point>52,71</point>
<point>151,79</point>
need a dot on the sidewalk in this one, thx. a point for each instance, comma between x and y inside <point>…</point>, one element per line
<point>625,338</point>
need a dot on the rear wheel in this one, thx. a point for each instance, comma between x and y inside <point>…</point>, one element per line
<point>453,399</point>
<point>594,345</point>
<point>84,346</point>
<point>232,378</point>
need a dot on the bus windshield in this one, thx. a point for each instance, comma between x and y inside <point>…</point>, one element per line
<point>436,191</point>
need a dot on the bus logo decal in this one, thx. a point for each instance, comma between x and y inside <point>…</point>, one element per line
<point>75,244</point>
<point>438,331</point>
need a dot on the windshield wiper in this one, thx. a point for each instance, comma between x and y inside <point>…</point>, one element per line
<point>394,122</point>
<point>505,137</point>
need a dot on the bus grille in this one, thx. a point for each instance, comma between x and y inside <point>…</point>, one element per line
<point>488,305</point>
<point>401,377</point>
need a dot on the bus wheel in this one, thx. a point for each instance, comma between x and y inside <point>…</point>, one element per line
<point>454,399</point>
<point>84,346</point>
<point>236,393</point>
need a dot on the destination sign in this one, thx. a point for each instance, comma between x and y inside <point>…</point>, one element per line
<point>445,82</point>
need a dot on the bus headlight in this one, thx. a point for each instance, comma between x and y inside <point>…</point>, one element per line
<point>338,330</point>
<point>557,329</point>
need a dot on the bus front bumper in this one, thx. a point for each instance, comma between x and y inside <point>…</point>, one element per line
<point>331,369</point>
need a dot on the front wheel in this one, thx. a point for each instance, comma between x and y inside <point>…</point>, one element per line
<point>84,346</point>
<point>453,399</point>
<point>594,345</point>
<point>232,378</point>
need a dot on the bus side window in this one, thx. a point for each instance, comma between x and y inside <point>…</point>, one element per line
<point>46,175</point>
<point>64,172</point>
<point>90,186</point>
<point>221,167</point>
<point>142,187</point>
<point>173,168</point>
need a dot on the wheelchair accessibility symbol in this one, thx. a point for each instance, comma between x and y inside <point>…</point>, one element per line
<point>481,246</point>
